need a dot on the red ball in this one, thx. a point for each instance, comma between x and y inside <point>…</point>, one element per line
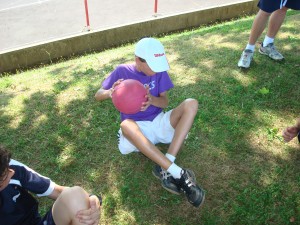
<point>128,96</point>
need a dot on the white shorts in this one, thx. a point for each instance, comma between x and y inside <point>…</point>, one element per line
<point>157,131</point>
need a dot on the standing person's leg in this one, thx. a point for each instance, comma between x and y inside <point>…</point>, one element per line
<point>258,26</point>
<point>267,47</point>
<point>66,206</point>
<point>276,20</point>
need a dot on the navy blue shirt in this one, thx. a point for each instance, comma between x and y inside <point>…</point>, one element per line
<point>15,202</point>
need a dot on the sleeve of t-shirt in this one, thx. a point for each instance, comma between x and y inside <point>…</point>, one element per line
<point>31,180</point>
<point>165,82</point>
<point>112,78</point>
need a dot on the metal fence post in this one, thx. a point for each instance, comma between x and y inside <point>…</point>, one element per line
<point>87,15</point>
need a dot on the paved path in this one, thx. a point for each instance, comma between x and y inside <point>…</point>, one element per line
<point>25,22</point>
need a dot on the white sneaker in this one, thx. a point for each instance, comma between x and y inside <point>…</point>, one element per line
<point>246,58</point>
<point>271,51</point>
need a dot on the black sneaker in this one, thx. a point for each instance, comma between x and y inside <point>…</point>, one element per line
<point>167,181</point>
<point>193,192</point>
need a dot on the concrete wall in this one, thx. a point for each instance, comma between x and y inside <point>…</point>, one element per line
<point>102,39</point>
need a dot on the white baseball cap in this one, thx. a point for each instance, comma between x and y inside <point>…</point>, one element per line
<point>153,52</point>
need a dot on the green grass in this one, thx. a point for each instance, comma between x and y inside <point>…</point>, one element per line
<point>50,120</point>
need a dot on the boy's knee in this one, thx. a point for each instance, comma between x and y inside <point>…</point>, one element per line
<point>124,125</point>
<point>191,105</point>
<point>284,10</point>
<point>69,202</point>
<point>77,190</point>
<point>74,195</point>
<point>127,127</point>
<point>263,14</point>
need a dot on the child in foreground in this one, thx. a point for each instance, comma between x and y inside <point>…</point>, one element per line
<point>72,205</point>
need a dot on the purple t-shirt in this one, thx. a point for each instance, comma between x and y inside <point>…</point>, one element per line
<point>158,83</point>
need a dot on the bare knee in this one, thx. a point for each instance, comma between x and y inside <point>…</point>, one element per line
<point>75,196</point>
<point>283,10</point>
<point>190,106</point>
<point>127,127</point>
<point>75,192</point>
<point>262,13</point>
<point>69,202</point>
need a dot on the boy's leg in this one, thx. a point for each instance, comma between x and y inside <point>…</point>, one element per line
<point>181,119</point>
<point>132,132</point>
<point>66,206</point>
<point>267,47</point>
<point>258,26</point>
<point>276,20</point>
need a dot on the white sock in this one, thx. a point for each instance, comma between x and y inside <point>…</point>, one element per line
<point>250,47</point>
<point>175,171</point>
<point>170,157</point>
<point>267,41</point>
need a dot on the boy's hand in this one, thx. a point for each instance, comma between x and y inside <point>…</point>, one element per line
<point>114,85</point>
<point>91,216</point>
<point>149,97</point>
<point>289,133</point>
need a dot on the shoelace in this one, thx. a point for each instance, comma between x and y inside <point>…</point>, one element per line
<point>189,181</point>
<point>274,50</point>
<point>245,56</point>
<point>165,174</point>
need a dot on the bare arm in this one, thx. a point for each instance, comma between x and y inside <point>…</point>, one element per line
<point>161,101</point>
<point>56,192</point>
<point>103,94</point>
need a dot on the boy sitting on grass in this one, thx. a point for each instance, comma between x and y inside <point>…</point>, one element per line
<point>141,131</point>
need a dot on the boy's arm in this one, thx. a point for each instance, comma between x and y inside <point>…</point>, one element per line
<point>103,94</point>
<point>56,191</point>
<point>161,101</point>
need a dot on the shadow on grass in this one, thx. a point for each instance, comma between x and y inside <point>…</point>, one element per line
<point>233,147</point>
<point>230,110</point>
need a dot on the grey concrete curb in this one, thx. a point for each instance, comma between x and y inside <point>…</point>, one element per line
<point>48,52</point>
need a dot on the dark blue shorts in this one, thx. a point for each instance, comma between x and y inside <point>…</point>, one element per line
<point>270,6</point>
<point>47,219</point>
